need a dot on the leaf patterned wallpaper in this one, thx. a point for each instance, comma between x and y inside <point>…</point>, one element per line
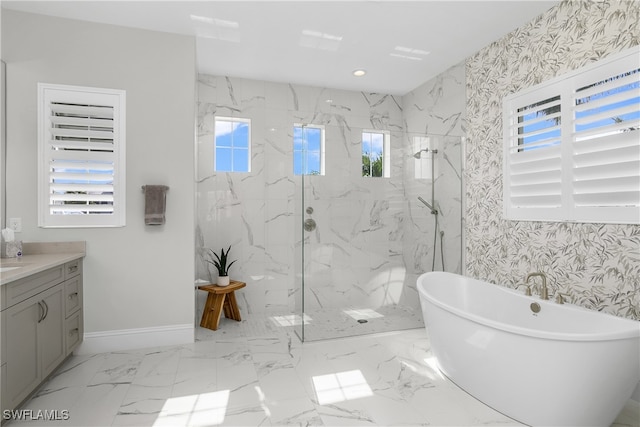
<point>597,265</point>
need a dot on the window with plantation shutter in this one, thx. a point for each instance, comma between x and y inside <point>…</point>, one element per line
<point>81,143</point>
<point>572,146</point>
<point>534,156</point>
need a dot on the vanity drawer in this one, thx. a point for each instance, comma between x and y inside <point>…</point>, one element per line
<point>72,295</point>
<point>72,268</point>
<point>74,331</point>
<point>22,289</point>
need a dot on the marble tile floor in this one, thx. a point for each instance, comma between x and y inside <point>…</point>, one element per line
<point>254,373</point>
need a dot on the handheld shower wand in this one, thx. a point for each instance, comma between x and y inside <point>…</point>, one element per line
<point>429,205</point>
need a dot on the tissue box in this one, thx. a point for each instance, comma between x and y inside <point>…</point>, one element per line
<point>11,249</point>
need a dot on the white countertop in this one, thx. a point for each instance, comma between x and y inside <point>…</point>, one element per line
<point>35,263</point>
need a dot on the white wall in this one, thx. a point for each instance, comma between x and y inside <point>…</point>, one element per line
<point>135,277</point>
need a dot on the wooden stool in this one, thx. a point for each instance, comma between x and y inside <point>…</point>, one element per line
<point>220,298</point>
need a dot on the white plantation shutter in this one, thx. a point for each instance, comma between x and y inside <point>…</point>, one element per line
<point>534,155</point>
<point>606,143</point>
<point>81,148</point>
<point>572,146</point>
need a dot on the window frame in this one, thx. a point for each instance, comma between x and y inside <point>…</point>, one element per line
<point>321,154</point>
<point>547,182</point>
<point>87,154</point>
<point>234,150</point>
<point>386,151</point>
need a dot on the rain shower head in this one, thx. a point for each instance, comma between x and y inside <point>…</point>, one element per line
<point>418,155</point>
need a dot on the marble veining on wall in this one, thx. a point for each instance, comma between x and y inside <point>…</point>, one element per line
<point>598,265</point>
<point>359,256</point>
<point>435,108</point>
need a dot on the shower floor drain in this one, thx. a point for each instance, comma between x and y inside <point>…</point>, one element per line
<point>362,320</point>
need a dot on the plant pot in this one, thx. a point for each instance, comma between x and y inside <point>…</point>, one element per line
<point>223,281</point>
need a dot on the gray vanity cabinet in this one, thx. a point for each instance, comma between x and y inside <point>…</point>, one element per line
<point>34,342</point>
<point>42,325</point>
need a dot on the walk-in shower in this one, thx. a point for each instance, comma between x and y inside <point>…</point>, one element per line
<point>326,224</point>
<point>362,241</point>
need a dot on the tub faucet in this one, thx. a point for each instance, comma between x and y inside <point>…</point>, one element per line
<point>527,291</point>
<point>544,292</point>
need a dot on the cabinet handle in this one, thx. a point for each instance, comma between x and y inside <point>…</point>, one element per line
<point>71,296</point>
<point>72,268</point>
<point>73,331</point>
<point>46,307</point>
<point>41,309</point>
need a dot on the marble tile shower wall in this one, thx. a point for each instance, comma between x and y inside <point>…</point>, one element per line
<point>366,250</point>
<point>437,108</point>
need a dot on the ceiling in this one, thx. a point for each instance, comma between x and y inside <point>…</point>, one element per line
<point>400,44</point>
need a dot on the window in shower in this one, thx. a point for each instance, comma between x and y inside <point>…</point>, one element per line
<point>232,152</point>
<point>308,149</point>
<point>375,154</point>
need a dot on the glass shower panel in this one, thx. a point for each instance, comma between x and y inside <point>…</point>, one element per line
<point>308,162</point>
<point>434,174</point>
<point>354,279</point>
<point>448,191</point>
<point>298,313</point>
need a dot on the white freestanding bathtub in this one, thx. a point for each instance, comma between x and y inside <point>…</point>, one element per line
<point>562,366</point>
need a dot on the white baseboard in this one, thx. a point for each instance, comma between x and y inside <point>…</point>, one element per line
<point>129,339</point>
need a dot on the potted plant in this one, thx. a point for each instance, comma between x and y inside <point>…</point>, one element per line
<point>220,262</point>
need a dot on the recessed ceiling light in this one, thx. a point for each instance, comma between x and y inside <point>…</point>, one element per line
<point>359,73</point>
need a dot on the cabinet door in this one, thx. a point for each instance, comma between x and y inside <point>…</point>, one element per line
<point>51,330</point>
<point>21,346</point>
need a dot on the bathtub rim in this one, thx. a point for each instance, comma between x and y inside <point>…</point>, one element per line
<point>632,332</point>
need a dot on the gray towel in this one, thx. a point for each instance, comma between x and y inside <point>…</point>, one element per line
<point>155,197</point>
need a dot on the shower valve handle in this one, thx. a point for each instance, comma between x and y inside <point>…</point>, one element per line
<point>309,225</point>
